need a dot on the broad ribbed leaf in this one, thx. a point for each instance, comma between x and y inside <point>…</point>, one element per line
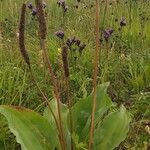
<point>98,118</point>
<point>32,130</point>
<point>82,109</point>
<point>64,113</point>
<point>113,130</point>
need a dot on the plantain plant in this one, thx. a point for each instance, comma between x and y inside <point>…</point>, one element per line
<point>66,126</point>
<point>35,131</point>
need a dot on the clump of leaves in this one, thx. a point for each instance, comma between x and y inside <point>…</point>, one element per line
<point>111,125</point>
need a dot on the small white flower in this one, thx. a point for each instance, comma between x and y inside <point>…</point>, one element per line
<point>17,34</point>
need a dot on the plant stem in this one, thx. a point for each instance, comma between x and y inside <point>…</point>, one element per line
<point>66,75</point>
<point>95,72</point>
<point>70,110</point>
<point>56,92</point>
<point>45,98</point>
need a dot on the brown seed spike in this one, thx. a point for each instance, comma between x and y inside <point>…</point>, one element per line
<point>65,60</point>
<point>41,19</point>
<point>22,35</point>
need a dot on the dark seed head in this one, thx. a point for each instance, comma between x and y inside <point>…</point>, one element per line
<point>41,19</point>
<point>22,35</point>
<point>65,60</point>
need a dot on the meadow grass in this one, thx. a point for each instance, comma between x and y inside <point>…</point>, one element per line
<point>124,60</point>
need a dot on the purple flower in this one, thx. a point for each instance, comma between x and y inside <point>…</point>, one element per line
<point>107,33</point>
<point>110,31</point>
<point>34,12</point>
<point>65,8</point>
<point>81,48</point>
<point>44,5</point>
<point>30,6</point>
<point>70,41</point>
<point>78,42</point>
<point>123,22</point>
<point>61,3</point>
<point>60,34</point>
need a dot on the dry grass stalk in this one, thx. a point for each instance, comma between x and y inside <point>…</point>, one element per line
<point>56,94</point>
<point>66,73</point>
<point>95,72</point>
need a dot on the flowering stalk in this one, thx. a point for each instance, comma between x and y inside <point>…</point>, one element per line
<point>27,60</point>
<point>43,30</point>
<point>22,47</point>
<point>95,72</point>
<point>66,74</point>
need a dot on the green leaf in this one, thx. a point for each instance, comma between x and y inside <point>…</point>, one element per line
<point>98,118</point>
<point>2,147</point>
<point>64,113</point>
<point>32,130</point>
<point>81,111</point>
<point>113,130</point>
<point>78,145</point>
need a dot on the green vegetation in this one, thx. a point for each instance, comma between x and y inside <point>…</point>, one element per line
<point>124,63</point>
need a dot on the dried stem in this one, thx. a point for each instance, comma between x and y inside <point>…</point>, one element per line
<point>70,110</point>
<point>56,92</point>
<point>66,74</point>
<point>95,72</point>
<point>45,99</point>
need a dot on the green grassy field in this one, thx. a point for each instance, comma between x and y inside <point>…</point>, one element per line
<point>124,60</point>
